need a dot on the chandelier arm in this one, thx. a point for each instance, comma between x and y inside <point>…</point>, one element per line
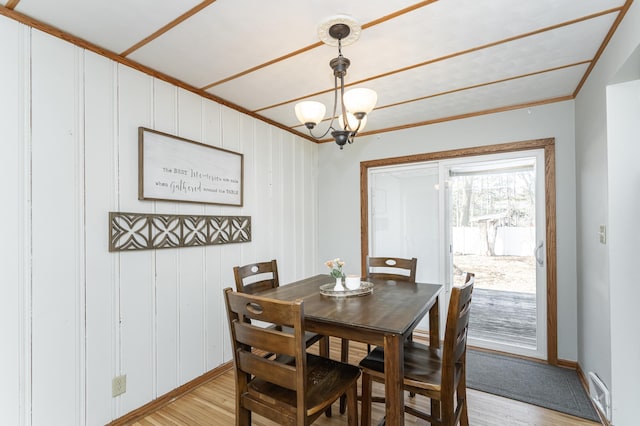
<point>355,132</point>
<point>345,118</point>
<point>322,135</point>
<point>333,115</point>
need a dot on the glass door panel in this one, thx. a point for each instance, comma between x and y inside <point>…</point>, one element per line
<point>404,216</point>
<point>497,230</point>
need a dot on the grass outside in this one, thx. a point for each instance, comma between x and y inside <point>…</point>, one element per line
<point>506,273</point>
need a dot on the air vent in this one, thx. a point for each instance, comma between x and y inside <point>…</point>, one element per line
<point>600,395</point>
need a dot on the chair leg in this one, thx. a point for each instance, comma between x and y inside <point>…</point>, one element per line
<point>447,411</point>
<point>328,412</point>
<point>410,339</point>
<point>461,395</point>
<point>344,351</point>
<point>344,357</point>
<point>366,399</point>
<point>243,416</point>
<point>435,409</point>
<point>464,416</point>
<point>352,405</point>
<point>323,350</point>
<point>324,347</point>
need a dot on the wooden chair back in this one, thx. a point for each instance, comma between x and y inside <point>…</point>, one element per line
<point>256,277</point>
<point>277,387</point>
<point>392,268</point>
<point>454,347</point>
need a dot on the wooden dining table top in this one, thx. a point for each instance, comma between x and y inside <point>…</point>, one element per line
<point>393,307</point>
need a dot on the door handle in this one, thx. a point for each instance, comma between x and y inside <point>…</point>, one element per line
<point>538,254</point>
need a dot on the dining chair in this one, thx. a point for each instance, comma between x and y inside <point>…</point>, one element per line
<point>392,268</point>
<point>438,374</point>
<point>292,387</point>
<point>386,268</point>
<point>256,277</point>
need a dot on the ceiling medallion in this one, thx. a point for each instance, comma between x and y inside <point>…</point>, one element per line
<point>340,21</point>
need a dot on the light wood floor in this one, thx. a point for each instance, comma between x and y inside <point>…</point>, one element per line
<point>213,404</point>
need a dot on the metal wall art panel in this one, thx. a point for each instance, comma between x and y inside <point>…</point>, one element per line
<point>142,231</point>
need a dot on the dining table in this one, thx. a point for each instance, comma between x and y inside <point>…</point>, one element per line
<point>384,315</point>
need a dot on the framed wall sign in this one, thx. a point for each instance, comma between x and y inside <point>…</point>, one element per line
<point>171,168</point>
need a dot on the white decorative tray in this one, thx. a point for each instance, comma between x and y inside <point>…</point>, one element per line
<point>364,289</point>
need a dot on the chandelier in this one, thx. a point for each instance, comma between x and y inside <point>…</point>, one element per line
<point>355,104</point>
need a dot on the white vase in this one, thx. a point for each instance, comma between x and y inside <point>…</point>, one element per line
<point>339,286</point>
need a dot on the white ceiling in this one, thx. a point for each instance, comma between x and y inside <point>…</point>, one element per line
<point>428,61</point>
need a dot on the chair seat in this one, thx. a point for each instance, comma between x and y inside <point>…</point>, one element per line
<point>422,365</point>
<point>327,380</point>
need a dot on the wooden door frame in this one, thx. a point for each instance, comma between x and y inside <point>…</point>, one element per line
<point>548,145</point>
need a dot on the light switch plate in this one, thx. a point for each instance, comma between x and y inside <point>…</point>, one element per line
<point>119,385</point>
<point>603,234</point>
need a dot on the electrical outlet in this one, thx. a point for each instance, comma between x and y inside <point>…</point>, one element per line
<point>119,385</point>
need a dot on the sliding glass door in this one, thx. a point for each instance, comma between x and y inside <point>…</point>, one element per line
<point>482,214</point>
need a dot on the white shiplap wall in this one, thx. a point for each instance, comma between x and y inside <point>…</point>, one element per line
<point>15,256</point>
<point>73,315</point>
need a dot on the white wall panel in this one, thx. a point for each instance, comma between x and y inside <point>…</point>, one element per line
<point>289,256</point>
<point>191,261</point>
<point>247,141</point>
<point>277,204</point>
<point>298,208</point>
<point>167,316</point>
<point>623,110</point>
<point>310,214</point>
<point>231,254</point>
<point>101,266</point>
<point>14,169</point>
<point>57,226</point>
<point>214,311</point>
<point>262,224</point>
<point>136,286</point>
